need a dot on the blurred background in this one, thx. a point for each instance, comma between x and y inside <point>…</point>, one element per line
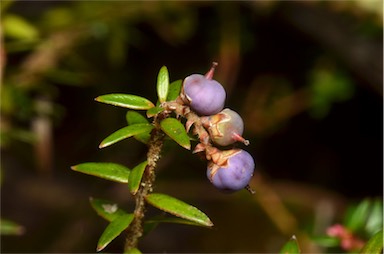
<point>306,76</point>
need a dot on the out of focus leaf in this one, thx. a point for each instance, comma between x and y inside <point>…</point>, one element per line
<point>117,46</point>
<point>59,17</point>
<point>135,177</point>
<point>174,90</point>
<point>132,251</point>
<point>292,246</point>
<point>375,218</point>
<point>18,28</point>
<point>126,132</point>
<point>328,86</point>
<point>326,241</point>
<point>106,209</point>
<point>374,245</point>
<point>357,216</point>
<point>178,208</point>
<point>113,230</point>
<point>8,227</point>
<point>134,117</point>
<point>126,101</point>
<point>5,4</point>
<point>110,171</point>
<point>7,136</point>
<point>66,77</point>
<point>176,131</point>
<point>163,84</point>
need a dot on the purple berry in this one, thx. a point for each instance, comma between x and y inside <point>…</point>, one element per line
<point>235,173</point>
<point>203,94</point>
<point>225,128</point>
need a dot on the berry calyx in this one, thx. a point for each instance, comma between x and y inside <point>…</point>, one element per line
<point>225,128</point>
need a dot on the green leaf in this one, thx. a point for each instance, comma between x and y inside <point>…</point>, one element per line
<point>375,219</point>
<point>106,209</point>
<point>18,28</point>
<point>149,227</point>
<point>326,241</point>
<point>126,101</point>
<point>110,171</point>
<point>126,132</point>
<point>154,111</point>
<point>178,208</point>
<point>174,90</point>
<point>133,251</point>
<point>175,220</point>
<point>134,117</point>
<point>374,245</point>
<point>163,84</point>
<point>176,131</point>
<point>135,177</point>
<point>357,216</point>
<point>113,230</point>
<point>151,223</point>
<point>292,246</point>
<point>8,227</point>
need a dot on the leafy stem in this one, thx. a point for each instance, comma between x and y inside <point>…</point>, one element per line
<point>140,179</point>
<point>155,144</point>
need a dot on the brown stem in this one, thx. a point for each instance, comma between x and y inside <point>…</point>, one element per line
<point>135,230</point>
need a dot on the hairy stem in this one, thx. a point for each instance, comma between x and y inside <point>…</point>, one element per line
<point>135,230</point>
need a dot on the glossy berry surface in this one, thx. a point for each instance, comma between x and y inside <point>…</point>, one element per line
<point>205,96</point>
<point>225,128</point>
<point>235,174</point>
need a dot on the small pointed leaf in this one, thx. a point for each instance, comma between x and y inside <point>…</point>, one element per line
<point>126,101</point>
<point>174,90</point>
<point>134,117</point>
<point>375,244</point>
<point>135,177</point>
<point>154,111</point>
<point>110,171</point>
<point>291,247</point>
<point>106,209</point>
<point>113,230</point>
<point>162,84</point>
<point>176,131</point>
<point>178,208</point>
<point>126,132</point>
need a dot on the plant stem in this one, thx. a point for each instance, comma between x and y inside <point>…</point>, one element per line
<point>155,144</point>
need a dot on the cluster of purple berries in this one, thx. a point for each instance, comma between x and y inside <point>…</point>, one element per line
<point>231,169</point>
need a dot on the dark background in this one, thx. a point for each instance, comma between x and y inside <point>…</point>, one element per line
<point>305,76</point>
